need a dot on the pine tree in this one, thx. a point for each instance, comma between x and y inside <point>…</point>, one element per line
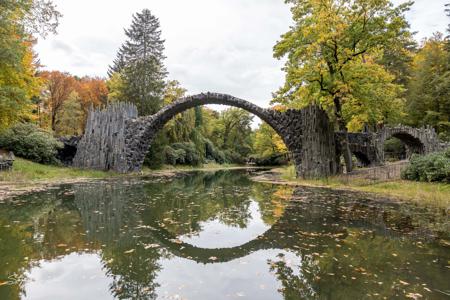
<point>140,63</point>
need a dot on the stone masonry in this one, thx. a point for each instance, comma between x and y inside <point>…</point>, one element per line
<point>116,139</point>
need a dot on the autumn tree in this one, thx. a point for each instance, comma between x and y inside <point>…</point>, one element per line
<point>267,142</point>
<point>92,92</point>
<point>429,86</point>
<point>332,52</point>
<point>59,86</point>
<point>19,21</point>
<point>140,64</point>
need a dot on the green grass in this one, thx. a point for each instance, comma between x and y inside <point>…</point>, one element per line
<point>25,170</point>
<point>436,194</point>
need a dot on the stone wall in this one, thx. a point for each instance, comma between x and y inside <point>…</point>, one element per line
<point>6,160</point>
<point>102,146</point>
<point>422,140</point>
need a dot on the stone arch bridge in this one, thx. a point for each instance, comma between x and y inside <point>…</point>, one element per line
<point>117,139</point>
<point>368,147</point>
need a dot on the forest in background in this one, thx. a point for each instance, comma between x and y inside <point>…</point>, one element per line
<point>356,58</point>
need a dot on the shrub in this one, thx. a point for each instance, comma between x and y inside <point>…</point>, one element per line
<point>173,156</point>
<point>31,142</point>
<point>212,153</point>
<point>271,160</point>
<point>183,153</point>
<point>234,157</point>
<point>431,167</point>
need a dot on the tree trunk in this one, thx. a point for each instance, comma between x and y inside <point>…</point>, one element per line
<point>54,121</point>
<point>343,127</point>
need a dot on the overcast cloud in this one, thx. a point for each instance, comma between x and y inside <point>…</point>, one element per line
<point>211,45</point>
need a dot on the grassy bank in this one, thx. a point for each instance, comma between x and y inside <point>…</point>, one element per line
<point>26,171</point>
<point>437,194</point>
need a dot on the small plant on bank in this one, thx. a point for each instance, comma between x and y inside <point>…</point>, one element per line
<point>434,167</point>
<point>31,142</point>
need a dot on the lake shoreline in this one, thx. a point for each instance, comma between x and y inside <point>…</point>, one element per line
<point>423,193</point>
<point>67,175</point>
<point>28,177</point>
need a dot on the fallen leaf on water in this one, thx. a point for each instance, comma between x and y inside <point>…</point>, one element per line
<point>151,246</point>
<point>61,245</point>
<point>414,295</point>
<point>403,282</point>
<point>129,251</point>
<point>213,258</point>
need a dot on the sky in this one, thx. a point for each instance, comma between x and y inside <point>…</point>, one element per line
<point>220,46</point>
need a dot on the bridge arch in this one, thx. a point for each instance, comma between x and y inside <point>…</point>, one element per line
<point>297,128</point>
<point>141,131</point>
<point>417,140</point>
<point>116,139</point>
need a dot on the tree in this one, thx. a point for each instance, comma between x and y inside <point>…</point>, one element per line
<point>179,128</point>
<point>232,133</point>
<point>330,39</point>
<point>92,92</point>
<point>429,87</point>
<point>18,84</point>
<point>115,87</point>
<point>19,20</point>
<point>267,142</point>
<point>59,86</point>
<point>71,117</point>
<point>140,64</point>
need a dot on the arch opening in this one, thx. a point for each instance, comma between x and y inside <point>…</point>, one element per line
<point>361,159</point>
<point>409,145</point>
<point>154,124</point>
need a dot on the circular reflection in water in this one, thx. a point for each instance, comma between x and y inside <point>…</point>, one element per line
<point>219,235</point>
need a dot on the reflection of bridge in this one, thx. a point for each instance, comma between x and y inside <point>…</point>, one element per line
<point>313,211</point>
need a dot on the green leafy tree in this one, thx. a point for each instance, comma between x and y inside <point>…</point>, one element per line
<point>429,87</point>
<point>140,64</point>
<point>71,117</point>
<point>267,142</point>
<point>331,58</point>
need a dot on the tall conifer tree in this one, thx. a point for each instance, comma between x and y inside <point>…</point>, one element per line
<point>140,63</point>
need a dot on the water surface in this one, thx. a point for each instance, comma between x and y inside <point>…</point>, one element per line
<point>219,236</point>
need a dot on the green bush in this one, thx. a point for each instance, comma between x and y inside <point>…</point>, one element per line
<point>234,157</point>
<point>271,160</point>
<point>183,153</point>
<point>31,142</point>
<point>155,157</point>
<point>174,156</point>
<point>213,153</point>
<point>432,167</point>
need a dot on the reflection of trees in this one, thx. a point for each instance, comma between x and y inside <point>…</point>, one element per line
<point>272,200</point>
<point>182,205</point>
<point>334,234</point>
<point>353,246</point>
<point>123,218</point>
<point>34,227</point>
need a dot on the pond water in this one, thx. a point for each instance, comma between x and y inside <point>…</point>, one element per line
<point>219,235</point>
